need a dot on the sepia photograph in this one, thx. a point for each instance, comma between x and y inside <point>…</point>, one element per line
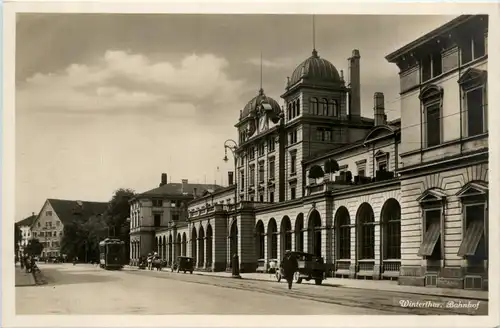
<point>251,164</point>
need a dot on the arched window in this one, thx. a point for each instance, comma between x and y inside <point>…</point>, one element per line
<point>294,110</point>
<point>272,238</point>
<point>324,107</point>
<point>289,111</point>
<point>314,106</point>
<point>298,107</point>
<point>333,108</point>
<point>366,232</point>
<point>432,99</point>
<point>342,234</point>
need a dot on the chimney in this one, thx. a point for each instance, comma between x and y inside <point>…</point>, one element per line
<point>230,177</point>
<point>184,185</point>
<point>163,179</point>
<point>355,85</point>
<point>378,109</point>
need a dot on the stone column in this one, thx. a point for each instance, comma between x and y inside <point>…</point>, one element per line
<point>334,248</point>
<point>266,254</point>
<point>228,252</point>
<point>278,247</point>
<point>199,260</point>
<point>377,265</point>
<point>305,241</point>
<point>354,265</point>
<point>205,264</point>
<point>325,246</point>
<point>220,244</point>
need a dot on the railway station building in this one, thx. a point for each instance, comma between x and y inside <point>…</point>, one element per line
<point>377,199</point>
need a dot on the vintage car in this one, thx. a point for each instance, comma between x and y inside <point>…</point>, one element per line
<point>183,263</point>
<point>310,267</point>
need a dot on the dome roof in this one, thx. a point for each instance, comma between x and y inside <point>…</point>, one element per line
<point>261,98</point>
<point>315,68</point>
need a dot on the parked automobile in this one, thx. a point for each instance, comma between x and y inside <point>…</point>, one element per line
<point>310,267</point>
<point>183,263</point>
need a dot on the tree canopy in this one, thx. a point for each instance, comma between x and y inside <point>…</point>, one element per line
<point>331,166</point>
<point>316,172</point>
<point>34,247</point>
<point>118,214</point>
<point>82,236</point>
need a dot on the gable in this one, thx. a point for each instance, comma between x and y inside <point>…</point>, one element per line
<point>46,214</point>
<point>430,92</point>
<point>432,195</point>
<point>378,133</point>
<point>475,188</point>
<point>472,76</point>
<point>380,153</point>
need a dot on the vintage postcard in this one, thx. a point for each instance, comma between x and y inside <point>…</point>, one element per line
<point>317,164</point>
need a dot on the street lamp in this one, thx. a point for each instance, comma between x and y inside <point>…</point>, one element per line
<point>232,146</point>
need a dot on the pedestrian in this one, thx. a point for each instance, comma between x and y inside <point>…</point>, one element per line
<point>150,262</point>
<point>290,266</point>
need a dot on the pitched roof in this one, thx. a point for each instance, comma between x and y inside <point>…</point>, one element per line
<point>27,221</point>
<point>69,210</point>
<point>176,189</point>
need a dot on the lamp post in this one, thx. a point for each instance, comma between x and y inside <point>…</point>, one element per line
<point>234,259</point>
<point>232,146</point>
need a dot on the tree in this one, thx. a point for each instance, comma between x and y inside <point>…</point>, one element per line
<point>117,214</point>
<point>82,236</point>
<point>331,166</point>
<point>34,248</point>
<point>18,237</point>
<point>316,172</point>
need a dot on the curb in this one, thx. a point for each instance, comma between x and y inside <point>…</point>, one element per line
<point>39,277</point>
<point>430,293</point>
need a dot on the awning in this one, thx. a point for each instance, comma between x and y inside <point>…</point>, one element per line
<point>431,237</point>
<point>471,239</point>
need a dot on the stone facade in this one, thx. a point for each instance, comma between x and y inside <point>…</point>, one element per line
<point>444,155</point>
<point>48,229</point>
<point>318,177</point>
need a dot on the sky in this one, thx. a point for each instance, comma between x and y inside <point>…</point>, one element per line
<point>108,101</point>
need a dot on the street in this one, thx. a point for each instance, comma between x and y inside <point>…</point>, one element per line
<point>86,289</point>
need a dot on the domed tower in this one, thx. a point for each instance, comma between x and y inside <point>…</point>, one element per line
<point>258,166</point>
<point>316,116</point>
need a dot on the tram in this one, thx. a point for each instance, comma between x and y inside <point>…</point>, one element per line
<point>112,254</point>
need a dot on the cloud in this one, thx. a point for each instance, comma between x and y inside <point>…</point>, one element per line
<point>276,64</point>
<point>121,81</point>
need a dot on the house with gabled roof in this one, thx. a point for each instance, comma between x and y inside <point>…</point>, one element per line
<point>48,225</point>
<point>158,209</point>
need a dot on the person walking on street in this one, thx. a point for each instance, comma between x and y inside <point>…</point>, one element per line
<point>150,262</point>
<point>290,266</point>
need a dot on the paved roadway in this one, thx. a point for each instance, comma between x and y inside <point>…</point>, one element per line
<point>86,289</point>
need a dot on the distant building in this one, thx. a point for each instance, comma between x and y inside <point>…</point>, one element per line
<point>444,154</point>
<point>25,226</point>
<point>48,226</point>
<point>158,209</point>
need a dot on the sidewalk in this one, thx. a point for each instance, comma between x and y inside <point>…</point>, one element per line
<point>385,285</point>
<point>23,278</point>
